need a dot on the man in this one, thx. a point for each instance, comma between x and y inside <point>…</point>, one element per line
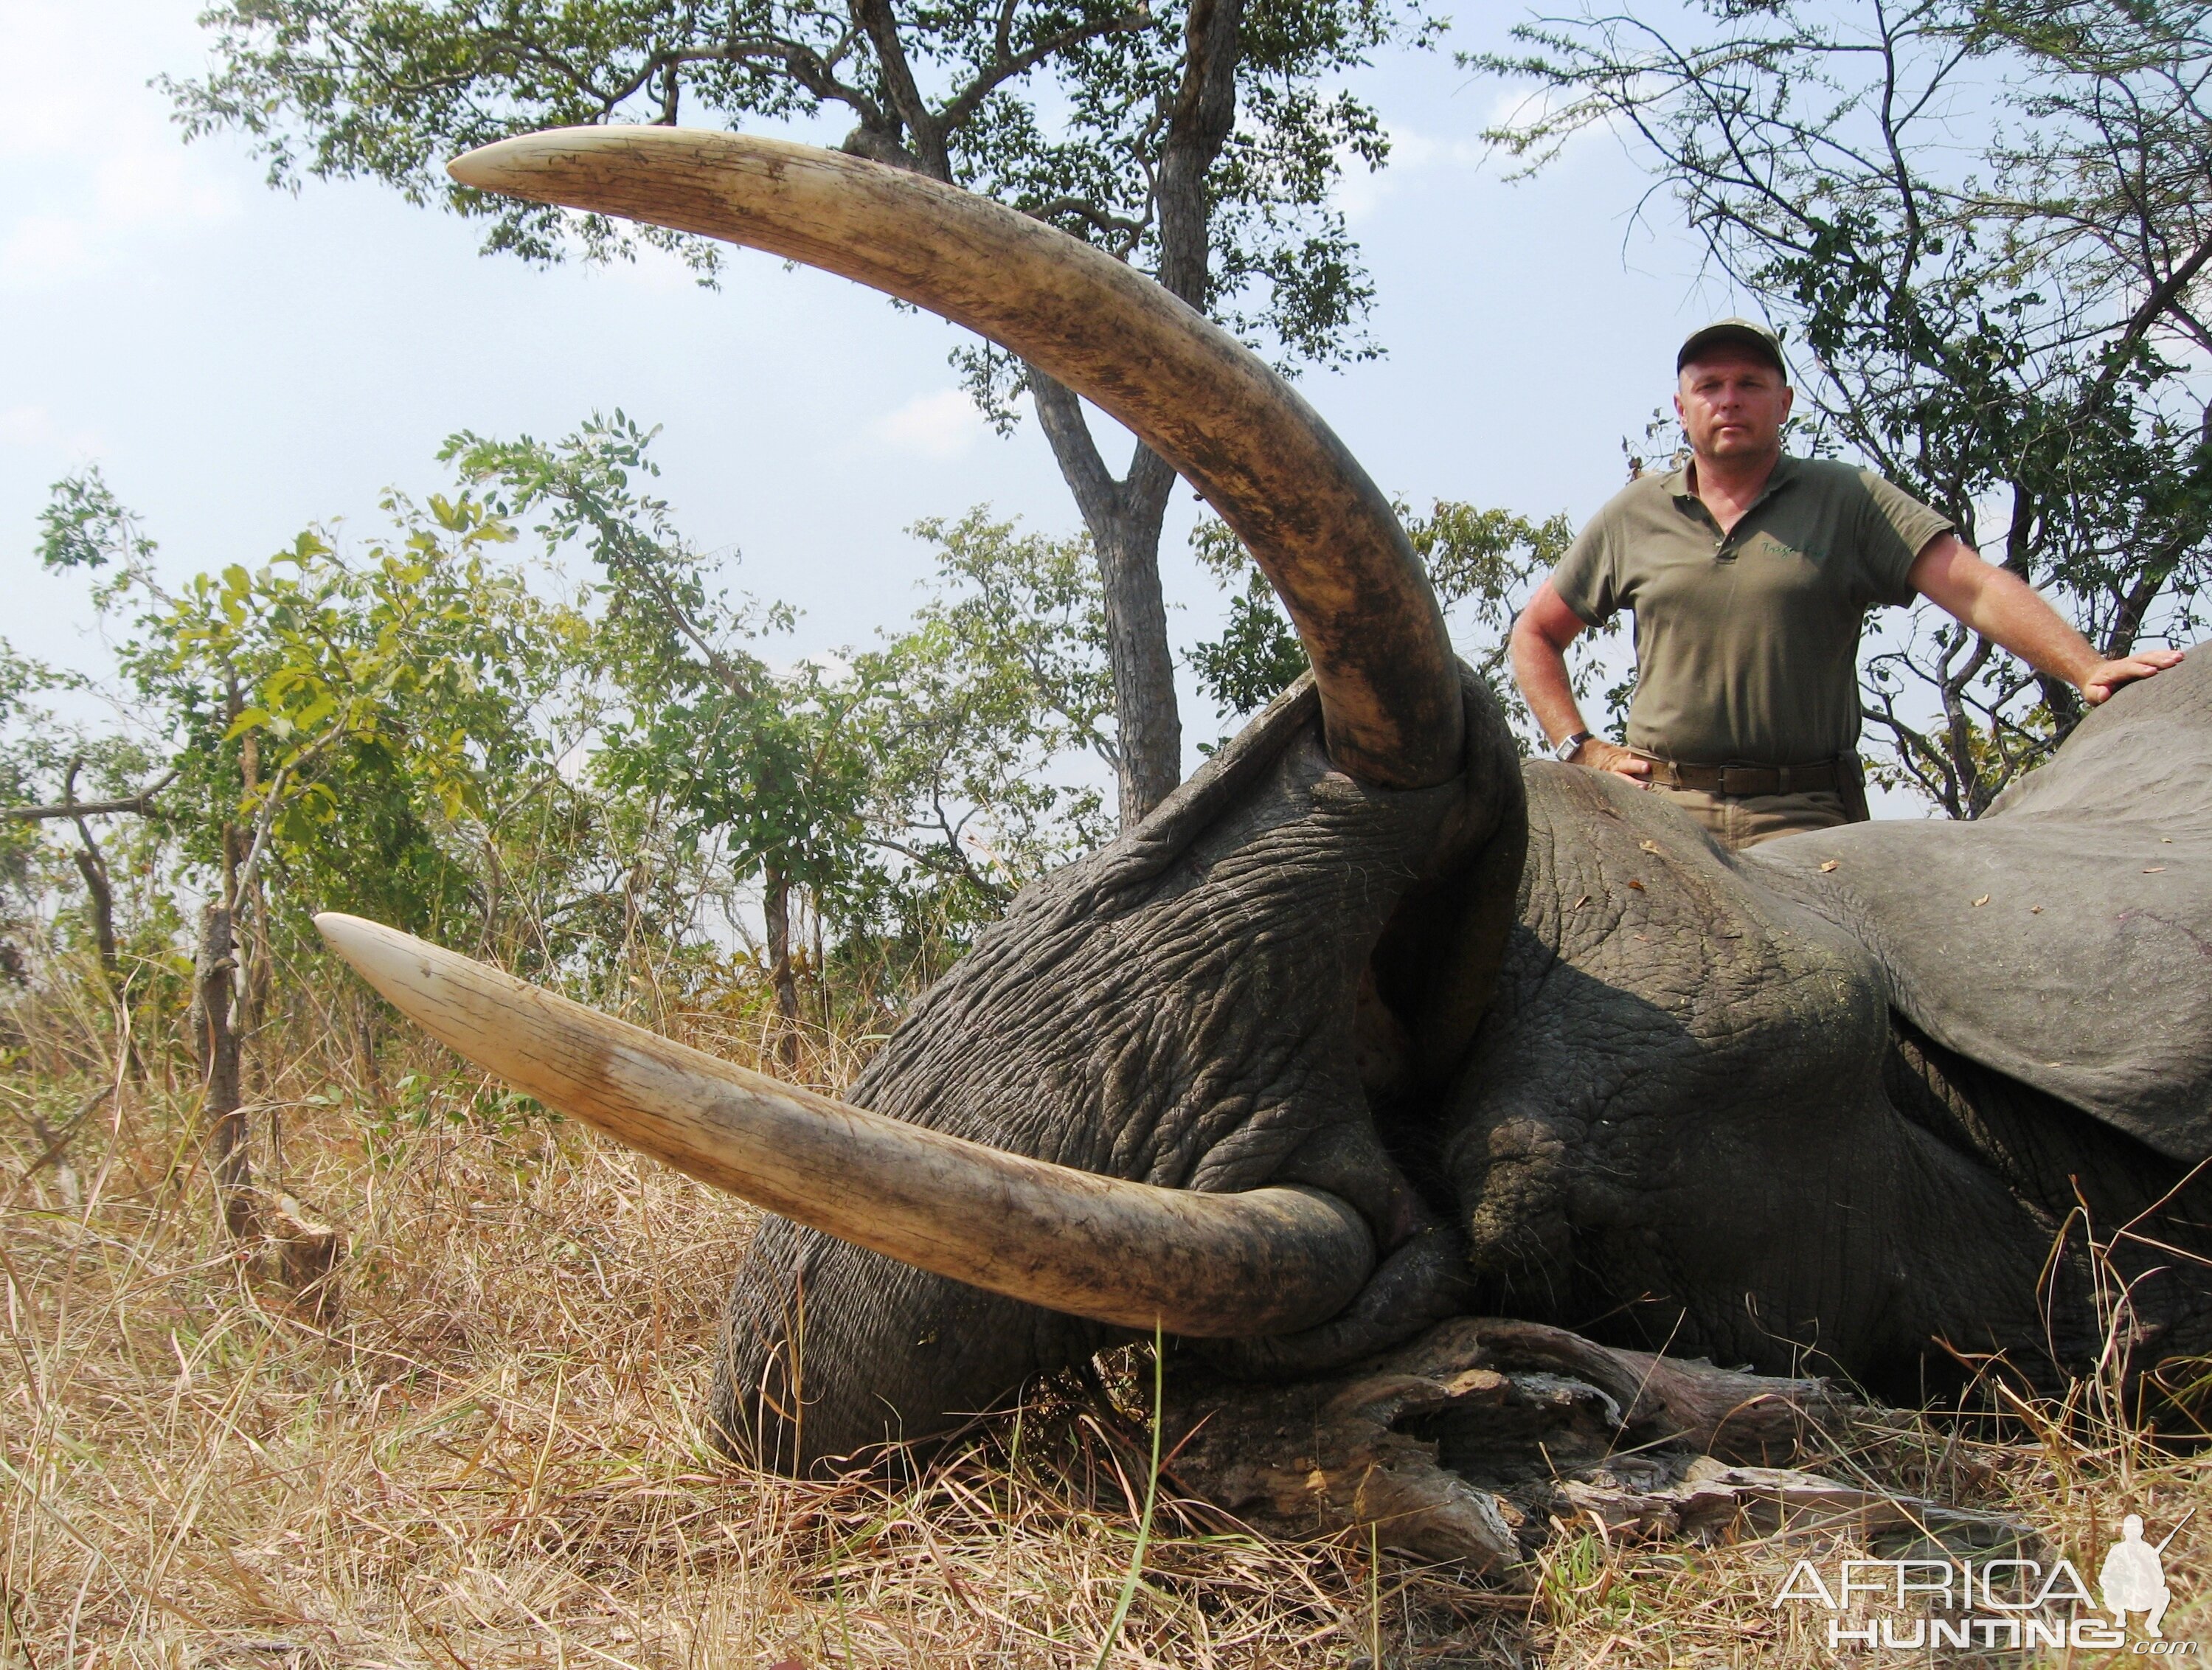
<point>1749,574</point>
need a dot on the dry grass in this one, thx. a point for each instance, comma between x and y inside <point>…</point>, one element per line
<point>490,1455</point>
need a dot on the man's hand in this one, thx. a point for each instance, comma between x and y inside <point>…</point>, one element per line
<point>1611,757</point>
<point>2101,680</point>
<point>2000,605</point>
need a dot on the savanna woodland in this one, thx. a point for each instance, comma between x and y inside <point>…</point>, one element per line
<point>326,1349</point>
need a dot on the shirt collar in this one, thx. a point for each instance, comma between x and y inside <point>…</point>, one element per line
<point>1677,483</point>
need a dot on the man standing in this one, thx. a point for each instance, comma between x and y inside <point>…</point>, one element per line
<point>1750,574</point>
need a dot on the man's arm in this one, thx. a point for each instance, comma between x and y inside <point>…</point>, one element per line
<point>1541,633</point>
<point>2005,609</point>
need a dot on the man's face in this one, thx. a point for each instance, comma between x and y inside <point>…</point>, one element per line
<point>1732,404</point>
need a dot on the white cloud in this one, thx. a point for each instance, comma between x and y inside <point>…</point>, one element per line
<point>127,208</point>
<point>1414,155</point>
<point>95,175</point>
<point>157,186</point>
<point>1409,150</point>
<point>833,665</point>
<point>1359,193</point>
<point>39,251</point>
<point>655,271</point>
<point>41,110</point>
<point>943,425</point>
<point>33,427</point>
<point>25,426</point>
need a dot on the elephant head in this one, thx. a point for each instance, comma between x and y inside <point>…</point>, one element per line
<point>1150,1096</point>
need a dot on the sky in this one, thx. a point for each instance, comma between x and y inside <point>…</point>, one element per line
<point>242,363</point>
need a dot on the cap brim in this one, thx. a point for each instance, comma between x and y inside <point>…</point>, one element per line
<point>1731,336</point>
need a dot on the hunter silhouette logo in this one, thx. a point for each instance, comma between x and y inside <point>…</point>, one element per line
<point>2133,1577</point>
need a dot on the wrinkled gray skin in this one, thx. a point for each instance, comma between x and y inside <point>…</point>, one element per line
<point>1692,1122</point>
<point>1571,1061</point>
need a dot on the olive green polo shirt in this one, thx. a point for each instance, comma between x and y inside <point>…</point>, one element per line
<point>1747,644</point>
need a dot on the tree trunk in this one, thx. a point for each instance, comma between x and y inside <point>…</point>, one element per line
<point>99,882</point>
<point>98,887</point>
<point>1124,519</point>
<point>364,1046</point>
<point>1124,516</point>
<point>250,904</point>
<point>775,907</point>
<point>99,903</point>
<point>1147,719</point>
<point>308,1252</point>
<point>100,897</point>
<point>215,966</point>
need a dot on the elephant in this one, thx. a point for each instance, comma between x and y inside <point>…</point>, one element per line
<point>1373,1024</point>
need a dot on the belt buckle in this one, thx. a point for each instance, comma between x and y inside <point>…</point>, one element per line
<point>1737,780</point>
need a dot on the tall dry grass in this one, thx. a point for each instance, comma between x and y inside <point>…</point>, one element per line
<point>488,1454</point>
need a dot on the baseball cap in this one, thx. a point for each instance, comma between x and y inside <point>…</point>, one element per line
<point>1734,333</point>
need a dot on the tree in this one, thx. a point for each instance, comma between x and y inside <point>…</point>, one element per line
<point>1199,141</point>
<point>83,525</point>
<point>764,765</point>
<point>2009,328</point>
<point>38,750</point>
<point>973,714</point>
<point>429,726</point>
<point>332,717</point>
<point>903,793</point>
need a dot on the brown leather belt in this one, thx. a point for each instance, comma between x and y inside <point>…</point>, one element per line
<point>1743,781</point>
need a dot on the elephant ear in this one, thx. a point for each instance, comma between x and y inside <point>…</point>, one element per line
<point>2065,938</point>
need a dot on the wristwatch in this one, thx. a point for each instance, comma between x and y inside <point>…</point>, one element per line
<point>1567,747</point>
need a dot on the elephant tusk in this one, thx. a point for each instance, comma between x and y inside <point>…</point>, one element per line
<point>1274,1260</point>
<point>1320,528</point>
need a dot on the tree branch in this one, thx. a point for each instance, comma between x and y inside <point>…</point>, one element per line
<point>1007,65</point>
<point>880,24</point>
<point>1098,496</point>
<point>141,802</point>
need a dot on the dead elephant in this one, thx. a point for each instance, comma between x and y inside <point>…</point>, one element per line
<point>1370,1025</point>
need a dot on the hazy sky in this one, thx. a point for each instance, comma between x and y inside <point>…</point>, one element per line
<point>242,363</point>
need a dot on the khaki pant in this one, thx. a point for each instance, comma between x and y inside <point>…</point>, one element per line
<point>1737,820</point>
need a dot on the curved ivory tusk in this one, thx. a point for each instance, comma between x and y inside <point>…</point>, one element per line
<point>1220,1266</point>
<point>1321,529</point>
